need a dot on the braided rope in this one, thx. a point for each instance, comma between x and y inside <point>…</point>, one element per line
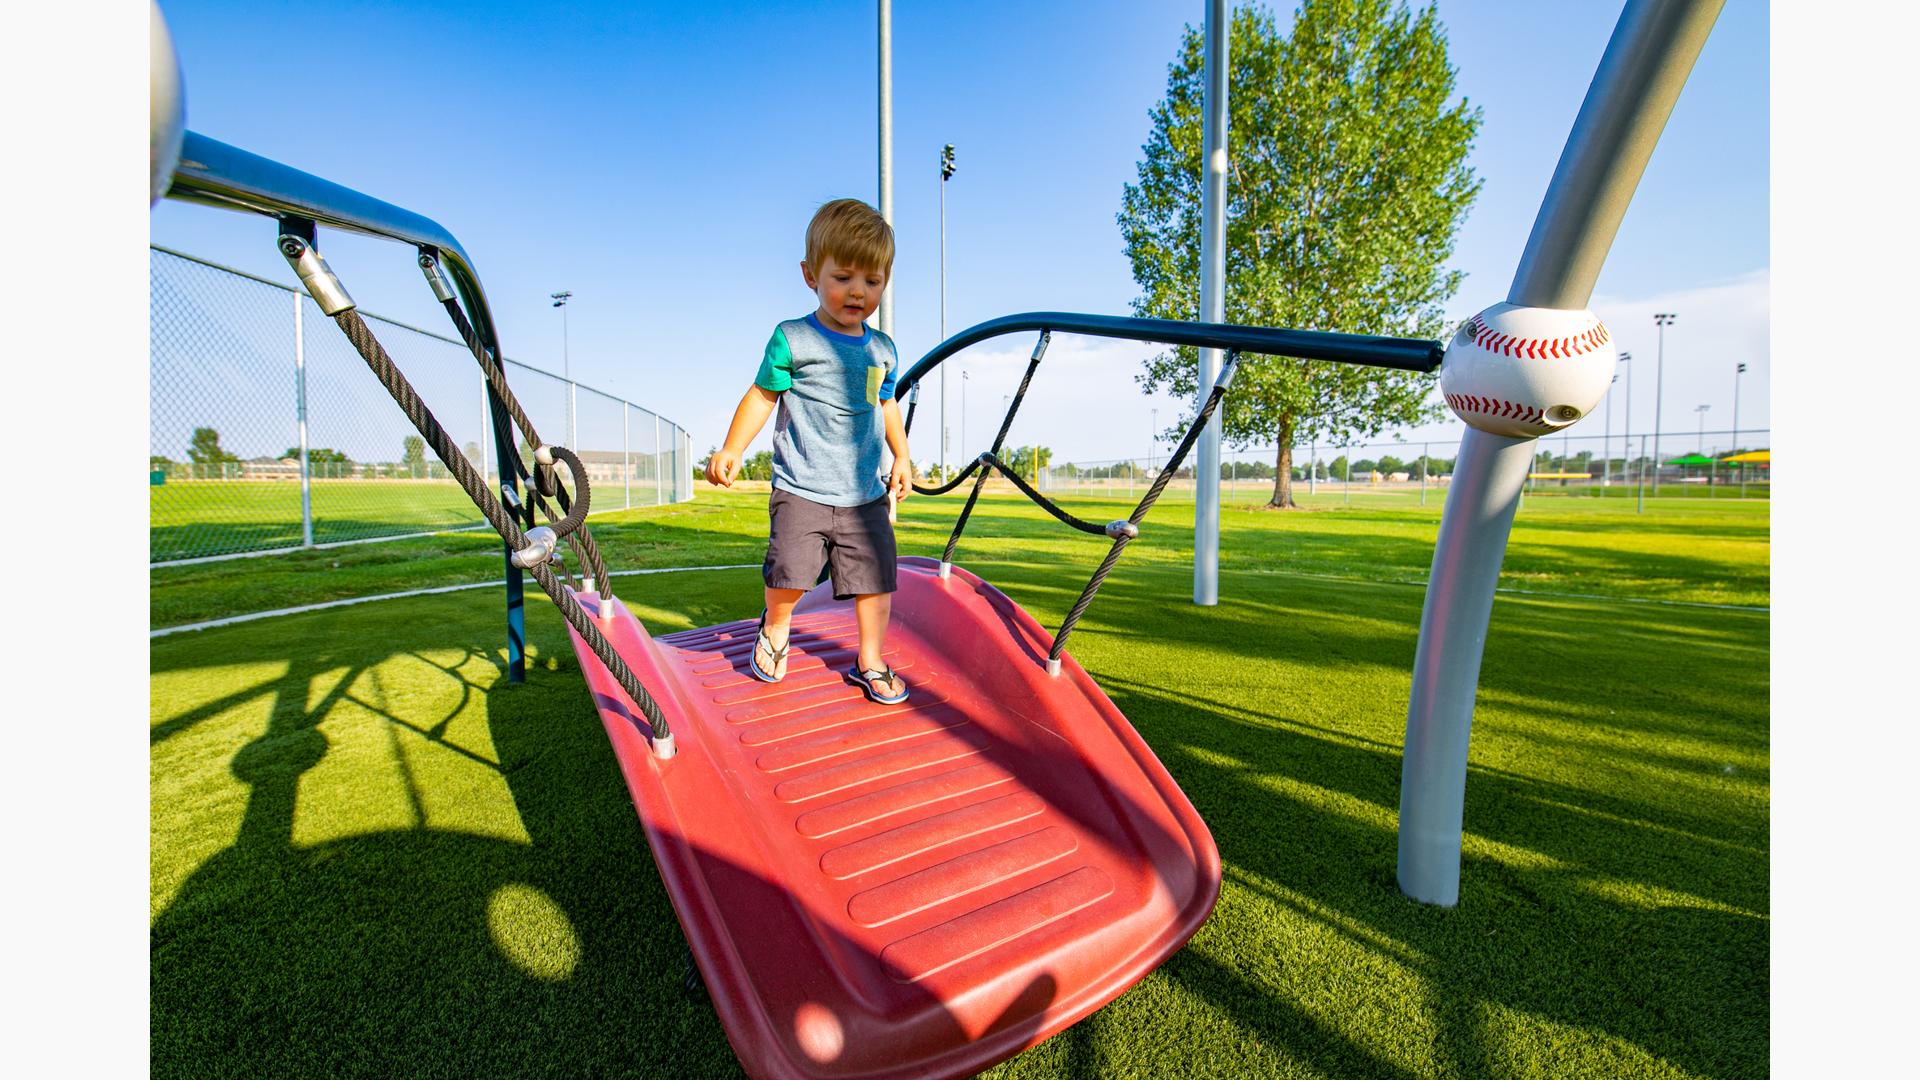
<point>1059,514</point>
<point>1006,424</point>
<point>544,482</point>
<point>1139,514</point>
<point>471,482</point>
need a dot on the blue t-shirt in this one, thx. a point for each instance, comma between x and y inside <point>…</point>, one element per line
<point>828,437</point>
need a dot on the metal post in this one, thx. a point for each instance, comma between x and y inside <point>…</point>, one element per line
<point>1313,467</point>
<point>300,408</point>
<point>659,473</point>
<point>1626,418</point>
<point>1662,320</point>
<point>1738,370</point>
<point>1423,473</point>
<point>1640,488</point>
<point>1346,483</point>
<point>946,173</point>
<point>886,147</point>
<point>1606,443</point>
<point>1213,302</point>
<point>1653,47</point>
<point>626,449</point>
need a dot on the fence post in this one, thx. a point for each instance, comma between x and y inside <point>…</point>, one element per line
<point>659,474</point>
<point>1424,447</point>
<point>1640,480</point>
<point>300,409</point>
<point>1346,484</point>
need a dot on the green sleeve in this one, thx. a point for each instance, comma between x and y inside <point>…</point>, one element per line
<point>776,367</point>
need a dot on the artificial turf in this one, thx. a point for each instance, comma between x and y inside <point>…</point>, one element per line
<point>373,856</point>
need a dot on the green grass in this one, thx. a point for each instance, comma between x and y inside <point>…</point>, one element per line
<point>372,856</point>
<point>194,518</point>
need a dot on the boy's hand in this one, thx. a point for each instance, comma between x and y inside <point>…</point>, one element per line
<point>901,483</point>
<point>722,466</point>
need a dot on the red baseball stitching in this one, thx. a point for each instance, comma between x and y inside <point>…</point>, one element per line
<point>1495,407</point>
<point>1538,348</point>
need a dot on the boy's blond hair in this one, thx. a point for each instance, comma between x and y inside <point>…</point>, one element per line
<point>852,234</point>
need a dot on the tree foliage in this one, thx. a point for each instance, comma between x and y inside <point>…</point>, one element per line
<point>204,448</point>
<point>1347,179</point>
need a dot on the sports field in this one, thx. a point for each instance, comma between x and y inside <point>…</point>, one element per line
<point>195,518</point>
<point>372,856</point>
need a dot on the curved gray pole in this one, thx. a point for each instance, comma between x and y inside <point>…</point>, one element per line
<point>1213,304</point>
<point>1653,48</point>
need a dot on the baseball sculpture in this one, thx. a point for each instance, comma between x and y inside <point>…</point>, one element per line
<point>1527,371</point>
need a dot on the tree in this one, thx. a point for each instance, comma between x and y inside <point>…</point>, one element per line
<point>413,454</point>
<point>1347,179</point>
<point>1027,461</point>
<point>1388,465</point>
<point>205,449</point>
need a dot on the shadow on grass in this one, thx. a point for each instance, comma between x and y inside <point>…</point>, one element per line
<point>377,954</point>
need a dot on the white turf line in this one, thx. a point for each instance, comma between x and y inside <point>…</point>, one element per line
<point>229,621</point>
<point>211,623</point>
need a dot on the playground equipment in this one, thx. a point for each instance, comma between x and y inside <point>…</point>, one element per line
<point>928,890</point>
<point>1518,370</point>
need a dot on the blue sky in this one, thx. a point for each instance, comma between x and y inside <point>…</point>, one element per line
<point>661,162</point>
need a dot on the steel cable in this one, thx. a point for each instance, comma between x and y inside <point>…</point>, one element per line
<point>475,486</point>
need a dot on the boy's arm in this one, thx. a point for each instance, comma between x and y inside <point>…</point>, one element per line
<point>902,479</point>
<point>755,406</point>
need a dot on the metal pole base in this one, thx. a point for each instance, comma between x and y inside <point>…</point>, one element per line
<point>1481,501</point>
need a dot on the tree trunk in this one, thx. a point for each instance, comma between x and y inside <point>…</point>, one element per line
<point>1283,468</point>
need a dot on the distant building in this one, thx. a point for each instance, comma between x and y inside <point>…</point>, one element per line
<point>266,468</point>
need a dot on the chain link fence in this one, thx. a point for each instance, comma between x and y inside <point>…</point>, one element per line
<point>267,433</point>
<point>1691,464</point>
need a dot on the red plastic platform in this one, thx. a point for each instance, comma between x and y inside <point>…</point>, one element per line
<point>916,890</point>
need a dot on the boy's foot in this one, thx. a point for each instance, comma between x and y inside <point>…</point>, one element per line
<point>881,684</point>
<point>774,667</point>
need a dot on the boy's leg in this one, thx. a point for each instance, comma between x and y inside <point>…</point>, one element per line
<point>872,610</point>
<point>779,624</point>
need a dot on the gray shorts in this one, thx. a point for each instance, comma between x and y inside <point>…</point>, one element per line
<point>854,542</point>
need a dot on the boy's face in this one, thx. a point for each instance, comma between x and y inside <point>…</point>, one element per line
<point>848,295</point>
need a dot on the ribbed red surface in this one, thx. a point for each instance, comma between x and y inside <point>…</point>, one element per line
<point>916,890</point>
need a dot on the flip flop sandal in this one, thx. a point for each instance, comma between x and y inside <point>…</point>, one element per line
<point>779,654</point>
<point>880,675</point>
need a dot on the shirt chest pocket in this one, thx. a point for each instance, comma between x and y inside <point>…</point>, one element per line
<point>875,376</point>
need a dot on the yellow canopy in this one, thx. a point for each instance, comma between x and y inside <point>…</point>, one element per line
<point>1761,457</point>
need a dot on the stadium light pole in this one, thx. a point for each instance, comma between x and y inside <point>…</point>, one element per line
<point>560,301</point>
<point>965,378</point>
<point>566,360</point>
<point>1626,419</point>
<point>1700,439</point>
<point>1661,319</point>
<point>946,173</point>
<point>1738,370</point>
<point>1606,443</point>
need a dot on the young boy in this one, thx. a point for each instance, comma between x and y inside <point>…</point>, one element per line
<point>832,380</point>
